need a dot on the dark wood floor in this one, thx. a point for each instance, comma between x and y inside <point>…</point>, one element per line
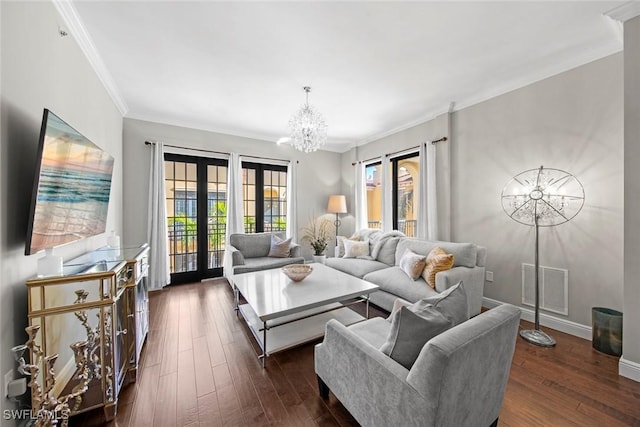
<point>199,367</point>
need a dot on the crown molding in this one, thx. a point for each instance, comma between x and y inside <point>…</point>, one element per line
<point>334,146</point>
<point>625,11</point>
<point>424,119</point>
<point>537,74</point>
<point>80,34</point>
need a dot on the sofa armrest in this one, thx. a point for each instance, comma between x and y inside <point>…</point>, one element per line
<point>371,385</point>
<point>295,250</point>
<point>236,256</point>
<point>473,280</point>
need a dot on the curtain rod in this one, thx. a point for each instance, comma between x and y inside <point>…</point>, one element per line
<point>443,139</point>
<point>219,152</point>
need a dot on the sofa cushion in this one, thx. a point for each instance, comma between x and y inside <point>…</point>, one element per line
<point>396,282</point>
<point>465,254</point>
<point>452,303</point>
<point>279,247</point>
<point>355,249</point>
<point>384,246</point>
<point>438,260</point>
<point>355,267</point>
<point>265,263</point>
<point>410,331</point>
<point>413,264</point>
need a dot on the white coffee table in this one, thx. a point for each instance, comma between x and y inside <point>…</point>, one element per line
<point>281,313</point>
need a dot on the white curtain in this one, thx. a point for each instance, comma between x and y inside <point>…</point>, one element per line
<point>292,201</point>
<point>157,230</point>
<point>428,193</point>
<point>387,185</point>
<point>235,209</point>
<point>361,197</point>
<point>432,193</point>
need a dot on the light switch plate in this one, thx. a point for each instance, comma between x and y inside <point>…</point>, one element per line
<point>489,276</point>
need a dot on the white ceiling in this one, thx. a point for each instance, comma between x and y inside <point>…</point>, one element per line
<point>374,67</point>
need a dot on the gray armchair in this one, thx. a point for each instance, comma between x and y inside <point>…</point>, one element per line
<point>458,380</point>
<point>249,252</point>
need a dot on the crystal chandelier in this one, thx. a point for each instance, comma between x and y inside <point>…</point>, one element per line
<point>307,127</point>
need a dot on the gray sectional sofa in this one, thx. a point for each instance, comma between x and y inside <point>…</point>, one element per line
<point>382,268</point>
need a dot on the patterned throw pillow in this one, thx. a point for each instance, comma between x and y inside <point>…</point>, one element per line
<point>437,260</point>
<point>341,240</point>
<point>279,248</point>
<point>413,264</point>
<point>354,249</point>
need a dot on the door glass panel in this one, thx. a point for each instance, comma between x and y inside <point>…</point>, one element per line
<point>249,199</point>
<point>216,214</point>
<point>373,174</point>
<point>407,191</point>
<point>182,222</point>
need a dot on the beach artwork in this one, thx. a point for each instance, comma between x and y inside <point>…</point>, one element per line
<point>73,188</point>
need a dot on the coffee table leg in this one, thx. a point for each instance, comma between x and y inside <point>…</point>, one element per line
<point>236,298</point>
<point>264,343</point>
<point>367,311</point>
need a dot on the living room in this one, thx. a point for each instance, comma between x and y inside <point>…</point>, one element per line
<point>579,117</point>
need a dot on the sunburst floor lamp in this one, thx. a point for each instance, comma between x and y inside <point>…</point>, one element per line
<point>542,197</point>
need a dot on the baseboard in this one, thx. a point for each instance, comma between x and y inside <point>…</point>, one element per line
<point>629,369</point>
<point>562,325</point>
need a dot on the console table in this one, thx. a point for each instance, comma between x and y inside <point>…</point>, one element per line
<point>101,301</point>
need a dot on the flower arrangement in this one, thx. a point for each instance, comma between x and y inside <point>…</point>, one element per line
<point>317,233</point>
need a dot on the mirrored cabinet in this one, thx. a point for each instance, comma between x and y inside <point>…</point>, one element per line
<point>87,328</point>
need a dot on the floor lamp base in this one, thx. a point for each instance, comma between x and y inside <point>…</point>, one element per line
<point>538,337</point>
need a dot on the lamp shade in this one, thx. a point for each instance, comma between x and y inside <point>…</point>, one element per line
<point>337,204</point>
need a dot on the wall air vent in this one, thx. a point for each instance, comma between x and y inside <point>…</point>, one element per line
<point>554,288</point>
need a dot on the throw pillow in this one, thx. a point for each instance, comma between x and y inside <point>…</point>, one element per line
<point>398,303</point>
<point>341,240</point>
<point>279,248</point>
<point>354,249</point>
<point>413,264</point>
<point>410,332</point>
<point>437,260</point>
<point>452,303</point>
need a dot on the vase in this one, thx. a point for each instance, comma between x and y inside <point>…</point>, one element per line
<point>320,259</point>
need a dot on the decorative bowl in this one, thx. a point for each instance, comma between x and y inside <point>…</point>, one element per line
<point>297,272</point>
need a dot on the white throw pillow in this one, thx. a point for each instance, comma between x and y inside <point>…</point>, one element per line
<point>412,264</point>
<point>353,249</point>
<point>279,248</point>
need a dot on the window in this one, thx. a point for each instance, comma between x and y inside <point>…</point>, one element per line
<point>405,172</point>
<point>404,193</point>
<point>373,178</point>
<point>264,197</point>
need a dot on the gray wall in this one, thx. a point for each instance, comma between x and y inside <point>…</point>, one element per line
<point>41,69</point>
<point>631,339</point>
<point>572,121</point>
<point>318,173</point>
